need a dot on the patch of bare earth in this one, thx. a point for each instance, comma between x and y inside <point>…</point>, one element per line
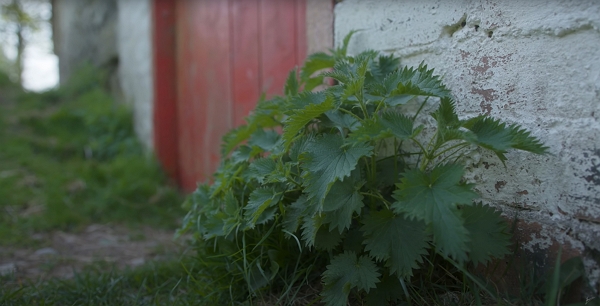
<point>64,254</point>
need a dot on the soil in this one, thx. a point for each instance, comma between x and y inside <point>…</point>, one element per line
<point>61,254</point>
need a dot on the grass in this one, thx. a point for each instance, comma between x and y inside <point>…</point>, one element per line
<point>158,283</point>
<point>69,157</point>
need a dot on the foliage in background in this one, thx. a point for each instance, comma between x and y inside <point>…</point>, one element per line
<point>69,157</point>
<point>21,23</point>
<point>357,178</point>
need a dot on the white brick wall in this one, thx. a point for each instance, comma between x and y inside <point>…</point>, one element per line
<point>531,62</point>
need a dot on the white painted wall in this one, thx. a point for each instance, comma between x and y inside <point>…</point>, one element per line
<point>134,43</point>
<point>540,68</point>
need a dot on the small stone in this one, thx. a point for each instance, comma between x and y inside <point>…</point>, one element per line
<point>45,252</point>
<point>7,269</point>
<point>137,261</point>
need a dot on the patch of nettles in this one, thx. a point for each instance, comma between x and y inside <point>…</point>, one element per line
<point>346,175</point>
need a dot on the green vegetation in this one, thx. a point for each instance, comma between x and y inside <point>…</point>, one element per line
<point>160,283</point>
<point>346,196</point>
<point>361,196</point>
<point>69,157</point>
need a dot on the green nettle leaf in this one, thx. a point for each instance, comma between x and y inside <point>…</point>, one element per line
<point>495,135</point>
<point>389,289</point>
<point>433,197</point>
<point>303,100</point>
<point>327,240</point>
<point>398,241</point>
<point>262,167</point>
<point>326,161</point>
<point>310,228</point>
<point>445,115</point>
<point>488,232</point>
<point>384,65</point>
<point>266,140</point>
<point>234,137</point>
<point>260,200</point>
<point>346,272</point>
<point>291,85</point>
<point>295,212</point>
<point>343,121</point>
<point>314,64</point>
<point>299,147</point>
<point>342,201</point>
<point>300,118</point>
<point>386,125</point>
<point>400,125</point>
<point>370,129</point>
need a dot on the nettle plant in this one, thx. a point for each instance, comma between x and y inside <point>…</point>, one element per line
<point>351,172</point>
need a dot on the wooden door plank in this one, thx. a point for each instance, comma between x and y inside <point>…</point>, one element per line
<point>185,112</point>
<point>208,72</point>
<point>165,87</point>
<point>278,43</point>
<point>245,51</point>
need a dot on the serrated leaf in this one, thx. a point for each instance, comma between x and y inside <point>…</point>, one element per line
<point>327,240</point>
<point>345,272</point>
<point>445,115</point>
<point>315,63</point>
<point>262,167</point>
<point>326,161</point>
<point>234,137</point>
<point>343,50</point>
<point>383,66</point>
<point>399,124</point>
<point>299,147</point>
<point>300,118</point>
<point>389,289</point>
<point>402,85</point>
<point>433,198</point>
<point>398,241</point>
<point>264,139</point>
<point>260,199</point>
<point>495,135</point>
<point>305,99</point>
<point>488,233</point>
<point>342,201</point>
<point>399,99</point>
<point>370,129</point>
<point>310,227</point>
<point>342,120</point>
<point>291,85</point>
<point>295,213</point>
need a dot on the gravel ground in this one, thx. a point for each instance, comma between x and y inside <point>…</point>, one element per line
<point>61,254</point>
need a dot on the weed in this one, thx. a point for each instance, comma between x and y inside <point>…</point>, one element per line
<point>360,183</point>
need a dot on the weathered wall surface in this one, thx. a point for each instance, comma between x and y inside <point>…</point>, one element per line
<point>535,63</point>
<point>134,45</point>
<point>84,31</point>
<point>114,35</point>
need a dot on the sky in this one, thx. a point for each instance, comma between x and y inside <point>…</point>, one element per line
<point>40,71</point>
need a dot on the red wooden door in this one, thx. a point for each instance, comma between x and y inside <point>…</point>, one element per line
<point>227,52</point>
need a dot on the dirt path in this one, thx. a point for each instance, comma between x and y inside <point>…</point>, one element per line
<point>63,254</point>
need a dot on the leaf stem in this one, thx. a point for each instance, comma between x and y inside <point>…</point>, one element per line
<point>343,110</point>
<point>420,108</point>
<point>462,144</point>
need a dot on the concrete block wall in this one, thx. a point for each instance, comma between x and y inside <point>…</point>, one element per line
<point>134,44</point>
<point>84,31</point>
<point>114,35</point>
<point>531,62</point>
